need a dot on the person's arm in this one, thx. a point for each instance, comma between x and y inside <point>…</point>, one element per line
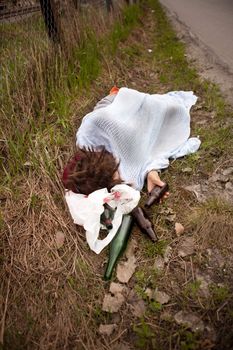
<point>153,180</point>
<point>107,100</point>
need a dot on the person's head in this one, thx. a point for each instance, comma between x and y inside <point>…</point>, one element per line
<point>89,171</point>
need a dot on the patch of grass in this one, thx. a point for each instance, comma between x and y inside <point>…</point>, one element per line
<point>35,202</point>
<point>145,336</point>
<point>190,161</point>
<point>39,88</point>
<point>120,32</point>
<point>151,250</point>
<point>141,283</point>
<point>101,316</point>
<point>216,140</point>
<point>188,340</point>
<point>42,91</point>
<point>213,99</point>
<point>146,277</point>
<point>155,306</point>
<point>220,293</point>
<point>169,53</point>
<point>212,224</point>
<point>192,289</point>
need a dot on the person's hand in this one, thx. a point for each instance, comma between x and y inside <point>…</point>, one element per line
<point>153,180</point>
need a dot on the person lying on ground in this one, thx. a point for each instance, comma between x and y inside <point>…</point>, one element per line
<point>128,138</point>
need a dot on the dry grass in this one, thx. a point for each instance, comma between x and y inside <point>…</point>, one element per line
<point>212,223</point>
<point>51,296</point>
<point>47,295</point>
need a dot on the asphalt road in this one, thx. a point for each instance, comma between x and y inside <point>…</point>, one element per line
<point>211,21</point>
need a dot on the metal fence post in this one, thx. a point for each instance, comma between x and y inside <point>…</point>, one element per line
<point>48,12</point>
<point>109,5</point>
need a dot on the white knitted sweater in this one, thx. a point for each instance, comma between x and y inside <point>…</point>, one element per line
<point>141,130</point>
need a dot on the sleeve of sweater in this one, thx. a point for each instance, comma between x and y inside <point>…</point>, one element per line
<point>190,146</point>
<point>107,100</point>
<point>157,164</point>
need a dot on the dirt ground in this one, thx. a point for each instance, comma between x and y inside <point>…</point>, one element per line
<point>175,294</point>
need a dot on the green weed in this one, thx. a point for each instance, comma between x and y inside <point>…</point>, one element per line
<point>152,250</point>
<point>216,140</point>
<point>188,340</point>
<point>144,278</point>
<point>122,29</point>
<point>219,293</point>
<point>35,201</point>
<point>192,289</point>
<point>169,53</point>
<point>155,306</point>
<point>39,88</point>
<point>145,336</point>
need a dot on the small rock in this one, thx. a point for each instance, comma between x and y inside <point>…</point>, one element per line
<point>224,178</point>
<point>179,228</point>
<point>28,164</point>
<point>204,284</point>
<point>112,303</point>
<point>171,218</point>
<point>198,191</point>
<point>139,308</point>
<point>167,254</point>
<point>159,263</point>
<point>166,316</point>
<point>229,186</point>
<point>121,346</point>
<point>149,292</point>
<point>131,247</point>
<point>116,288</point>
<point>219,177</point>
<point>116,317</point>
<point>202,122</point>
<point>169,213</point>
<point>137,305</point>
<point>190,320</point>
<point>126,269</point>
<point>161,297</point>
<point>211,332</point>
<point>187,170</point>
<point>107,329</point>
<point>187,247</point>
<point>215,258</point>
<point>60,239</point>
<point>228,171</point>
<point>132,297</point>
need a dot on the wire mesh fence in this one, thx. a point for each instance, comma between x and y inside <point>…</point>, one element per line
<point>47,60</point>
<point>44,46</point>
<point>48,17</point>
<point>30,29</point>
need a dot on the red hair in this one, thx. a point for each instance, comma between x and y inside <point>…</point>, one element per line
<point>88,171</point>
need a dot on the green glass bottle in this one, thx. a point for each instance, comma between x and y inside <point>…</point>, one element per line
<point>118,244</point>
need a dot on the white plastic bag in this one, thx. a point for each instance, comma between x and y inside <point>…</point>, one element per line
<point>86,211</point>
